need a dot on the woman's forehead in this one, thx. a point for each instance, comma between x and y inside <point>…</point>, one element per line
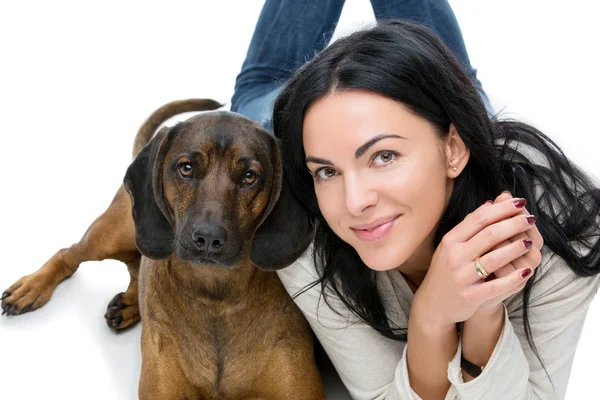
<point>353,117</point>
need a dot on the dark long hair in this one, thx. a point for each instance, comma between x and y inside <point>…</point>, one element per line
<point>408,63</point>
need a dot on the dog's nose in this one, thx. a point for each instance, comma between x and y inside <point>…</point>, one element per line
<point>209,237</point>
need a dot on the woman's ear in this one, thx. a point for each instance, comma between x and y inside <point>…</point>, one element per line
<point>457,153</point>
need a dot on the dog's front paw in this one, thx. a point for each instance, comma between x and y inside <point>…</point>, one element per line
<point>27,294</point>
<point>122,312</point>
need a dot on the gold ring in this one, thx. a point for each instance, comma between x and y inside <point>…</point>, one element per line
<point>480,270</point>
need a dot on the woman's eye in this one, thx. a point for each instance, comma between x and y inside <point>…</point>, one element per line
<point>384,157</point>
<point>326,173</point>
<point>185,170</point>
<point>250,178</point>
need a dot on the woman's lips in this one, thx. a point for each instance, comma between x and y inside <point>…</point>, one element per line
<point>375,231</point>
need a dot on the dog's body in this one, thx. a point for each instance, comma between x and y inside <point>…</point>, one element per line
<point>249,348</point>
<point>202,219</point>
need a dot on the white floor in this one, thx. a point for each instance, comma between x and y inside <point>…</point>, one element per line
<point>77,80</point>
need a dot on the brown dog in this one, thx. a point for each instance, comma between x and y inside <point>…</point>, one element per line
<point>212,218</point>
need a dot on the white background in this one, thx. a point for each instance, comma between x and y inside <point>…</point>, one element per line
<point>77,80</point>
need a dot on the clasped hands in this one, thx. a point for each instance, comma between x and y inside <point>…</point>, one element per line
<point>502,236</point>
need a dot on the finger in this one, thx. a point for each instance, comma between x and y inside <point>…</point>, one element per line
<point>520,261</point>
<point>531,259</point>
<point>483,217</point>
<point>496,233</point>
<point>508,268</point>
<point>511,292</point>
<point>503,196</point>
<point>501,256</point>
<point>498,287</point>
<point>534,233</point>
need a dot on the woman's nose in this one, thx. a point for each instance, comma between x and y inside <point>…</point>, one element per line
<point>360,195</point>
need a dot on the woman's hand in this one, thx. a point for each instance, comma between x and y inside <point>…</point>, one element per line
<point>480,333</point>
<point>530,259</point>
<point>452,291</point>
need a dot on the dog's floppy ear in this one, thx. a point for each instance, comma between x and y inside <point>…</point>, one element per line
<point>153,230</point>
<point>286,230</point>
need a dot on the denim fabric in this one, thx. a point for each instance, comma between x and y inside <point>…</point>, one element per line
<point>289,32</point>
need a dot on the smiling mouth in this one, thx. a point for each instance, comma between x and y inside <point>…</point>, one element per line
<point>375,231</point>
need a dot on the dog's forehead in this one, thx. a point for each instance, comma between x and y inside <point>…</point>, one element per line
<point>222,130</point>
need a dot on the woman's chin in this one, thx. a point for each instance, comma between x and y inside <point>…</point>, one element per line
<point>380,260</point>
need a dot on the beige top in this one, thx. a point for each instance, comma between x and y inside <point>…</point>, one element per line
<point>374,367</point>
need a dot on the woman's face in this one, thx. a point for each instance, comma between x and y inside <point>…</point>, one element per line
<point>382,174</point>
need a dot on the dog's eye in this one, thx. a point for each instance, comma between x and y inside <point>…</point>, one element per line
<point>185,170</point>
<point>250,178</point>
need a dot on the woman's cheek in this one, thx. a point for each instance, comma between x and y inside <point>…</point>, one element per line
<point>326,201</point>
<point>394,176</point>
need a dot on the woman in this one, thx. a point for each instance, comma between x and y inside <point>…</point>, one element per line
<point>389,146</point>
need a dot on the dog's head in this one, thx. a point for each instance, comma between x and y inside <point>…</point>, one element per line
<point>211,190</point>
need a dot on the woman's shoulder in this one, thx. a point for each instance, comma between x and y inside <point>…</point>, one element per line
<point>300,279</point>
<point>301,272</point>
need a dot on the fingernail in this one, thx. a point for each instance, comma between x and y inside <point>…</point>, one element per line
<point>520,203</point>
<point>526,273</point>
<point>531,219</point>
<point>488,202</point>
<point>527,243</point>
<point>507,192</point>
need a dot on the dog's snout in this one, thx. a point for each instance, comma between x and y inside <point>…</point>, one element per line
<point>209,237</point>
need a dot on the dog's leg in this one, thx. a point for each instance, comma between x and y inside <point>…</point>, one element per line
<point>123,310</point>
<point>112,235</point>
<point>162,377</point>
<point>292,374</point>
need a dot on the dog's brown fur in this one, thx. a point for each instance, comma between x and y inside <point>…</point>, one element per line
<point>201,221</point>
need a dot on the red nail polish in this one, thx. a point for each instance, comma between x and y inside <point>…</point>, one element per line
<point>531,219</point>
<point>526,273</point>
<point>520,203</point>
<point>527,243</point>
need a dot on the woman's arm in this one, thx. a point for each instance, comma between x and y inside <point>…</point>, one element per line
<point>480,335</point>
<point>481,332</point>
<point>557,311</point>
<point>374,367</point>
<point>453,291</point>
<point>431,348</point>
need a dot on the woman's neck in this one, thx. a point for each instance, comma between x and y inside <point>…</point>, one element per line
<point>415,268</point>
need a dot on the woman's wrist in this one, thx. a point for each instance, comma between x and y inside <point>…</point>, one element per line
<point>431,346</point>
<point>427,320</point>
<point>486,313</point>
<point>480,335</point>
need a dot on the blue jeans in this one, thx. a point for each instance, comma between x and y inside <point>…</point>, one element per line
<point>289,32</point>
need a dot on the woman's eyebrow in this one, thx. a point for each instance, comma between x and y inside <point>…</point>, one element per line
<point>362,149</point>
<point>359,152</point>
<point>317,160</point>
